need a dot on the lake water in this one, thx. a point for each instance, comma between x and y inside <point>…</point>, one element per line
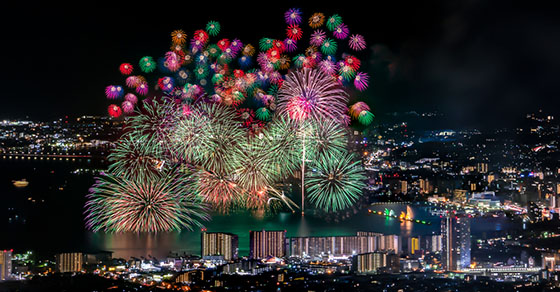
<point>48,216</point>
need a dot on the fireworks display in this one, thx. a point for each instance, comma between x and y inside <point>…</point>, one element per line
<point>216,121</point>
<point>336,183</point>
<point>136,204</point>
<point>310,93</point>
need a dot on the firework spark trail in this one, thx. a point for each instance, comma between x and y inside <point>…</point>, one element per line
<point>136,156</point>
<point>310,93</point>
<point>163,203</point>
<point>337,182</point>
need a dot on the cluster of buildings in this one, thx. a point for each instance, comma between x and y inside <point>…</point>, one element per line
<point>82,135</point>
<point>363,253</point>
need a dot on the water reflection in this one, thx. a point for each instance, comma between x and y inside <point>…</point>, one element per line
<point>126,245</point>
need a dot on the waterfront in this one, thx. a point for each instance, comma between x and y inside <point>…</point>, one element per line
<point>50,217</point>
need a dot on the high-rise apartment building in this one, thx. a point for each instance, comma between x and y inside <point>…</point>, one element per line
<point>5,264</point>
<point>69,262</point>
<point>219,244</point>
<point>265,243</point>
<point>456,242</point>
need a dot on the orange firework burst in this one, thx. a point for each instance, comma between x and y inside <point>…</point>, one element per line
<point>248,50</point>
<point>178,37</point>
<point>316,20</point>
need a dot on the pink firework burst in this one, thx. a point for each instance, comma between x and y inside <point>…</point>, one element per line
<point>132,81</point>
<point>127,107</point>
<point>299,107</point>
<point>311,94</point>
<point>142,88</point>
<point>328,67</point>
<point>275,77</point>
<point>341,31</point>
<point>114,91</point>
<point>357,42</point>
<point>361,81</point>
<point>131,98</point>
<point>172,61</point>
<point>317,38</point>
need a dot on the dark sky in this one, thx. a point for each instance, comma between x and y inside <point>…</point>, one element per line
<point>479,62</point>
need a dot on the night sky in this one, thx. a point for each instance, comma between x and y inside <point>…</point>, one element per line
<point>481,63</point>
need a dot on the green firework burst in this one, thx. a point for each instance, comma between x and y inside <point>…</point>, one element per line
<point>335,183</point>
<point>143,204</point>
<point>213,28</point>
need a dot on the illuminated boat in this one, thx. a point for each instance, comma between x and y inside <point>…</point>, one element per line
<point>20,183</point>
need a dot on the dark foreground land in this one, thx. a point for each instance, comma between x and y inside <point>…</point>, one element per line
<point>409,282</point>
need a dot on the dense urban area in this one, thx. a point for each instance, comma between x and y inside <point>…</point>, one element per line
<point>459,175</point>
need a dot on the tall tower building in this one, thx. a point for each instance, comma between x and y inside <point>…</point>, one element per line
<point>5,264</point>
<point>219,244</point>
<point>267,243</point>
<point>69,262</point>
<point>456,242</point>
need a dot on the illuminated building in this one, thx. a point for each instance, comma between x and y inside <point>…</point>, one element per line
<point>190,276</point>
<point>486,200</point>
<point>430,243</point>
<point>482,167</point>
<point>550,261</point>
<point>219,244</point>
<point>425,186</point>
<point>263,244</point>
<point>490,178</point>
<point>373,262</point>
<point>69,262</point>
<point>5,264</point>
<point>390,242</point>
<point>403,186</point>
<point>334,246</point>
<point>456,242</point>
<point>460,196</point>
<point>413,245</point>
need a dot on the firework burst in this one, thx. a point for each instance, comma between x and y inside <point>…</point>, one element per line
<point>147,64</point>
<point>357,42</point>
<point>159,204</point>
<point>310,93</point>
<point>316,20</point>
<point>336,182</point>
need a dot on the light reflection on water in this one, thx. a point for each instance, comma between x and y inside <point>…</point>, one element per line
<point>58,224</point>
<point>159,245</point>
<point>126,245</point>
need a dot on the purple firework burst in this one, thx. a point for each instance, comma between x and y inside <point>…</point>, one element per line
<point>293,16</point>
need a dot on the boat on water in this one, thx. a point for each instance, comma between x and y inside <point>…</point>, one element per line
<point>20,183</point>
